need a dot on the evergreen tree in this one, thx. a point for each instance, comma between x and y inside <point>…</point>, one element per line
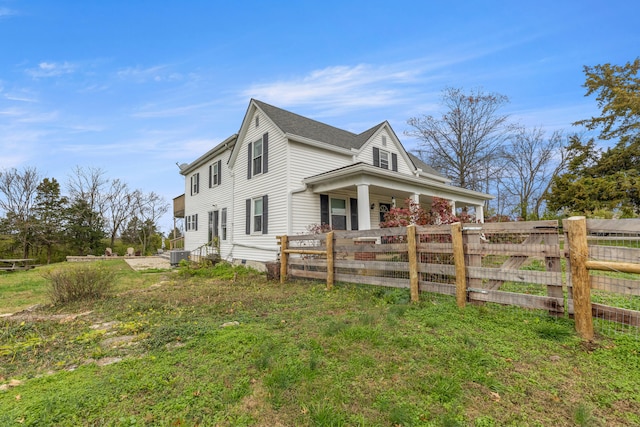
<point>49,213</point>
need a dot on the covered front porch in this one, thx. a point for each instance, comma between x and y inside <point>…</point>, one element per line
<point>358,196</point>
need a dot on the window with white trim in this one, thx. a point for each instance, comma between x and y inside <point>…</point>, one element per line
<point>213,225</point>
<point>384,159</point>
<point>195,183</point>
<point>191,222</point>
<point>215,170</point>
<point>338,214</point>
<point>257,215</point>
<point>257,219</point>
<point>223,224</point>
<point>257,157</point>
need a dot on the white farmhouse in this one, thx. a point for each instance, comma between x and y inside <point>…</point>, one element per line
<point>282,173</point>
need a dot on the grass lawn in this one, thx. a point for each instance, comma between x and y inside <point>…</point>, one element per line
<point>226,347</point>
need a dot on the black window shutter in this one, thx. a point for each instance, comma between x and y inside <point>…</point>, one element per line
<point>394,162</point>
<point>210,175</point>
<point>265,152</point>
<point>324,209</point>
<point>265,214</point>
<point>248,217</point>
<point>354,213</point>
<point>249,164</point>
<point>196,222</point>
<point>376,156</point>
<point>197,182</point>
<point>219,172</point>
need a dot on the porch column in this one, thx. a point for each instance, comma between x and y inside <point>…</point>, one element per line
<point>480,213</point>
<point>364,217</point>
<point>453,207</point>
<point>415,198</point>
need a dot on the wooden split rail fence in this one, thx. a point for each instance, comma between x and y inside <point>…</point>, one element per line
<point>513,263</point>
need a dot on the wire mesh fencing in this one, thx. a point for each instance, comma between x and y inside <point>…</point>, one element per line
<point>513,263</point>
<point>615,292</point>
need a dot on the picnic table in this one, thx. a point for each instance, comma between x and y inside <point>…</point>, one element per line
<point>16,264</point>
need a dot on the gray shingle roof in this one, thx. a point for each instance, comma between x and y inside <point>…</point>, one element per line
<point>422,165</point>
<point>296,124</point>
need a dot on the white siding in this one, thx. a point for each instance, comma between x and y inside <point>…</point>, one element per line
<point>366,155</point>
<point>306,161</point>
<point>260,247</point>
<point>202,203</point>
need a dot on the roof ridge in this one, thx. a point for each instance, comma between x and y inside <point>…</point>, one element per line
<point>262,103</point>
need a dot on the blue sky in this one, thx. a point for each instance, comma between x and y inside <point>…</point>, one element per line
<point>132,87</point>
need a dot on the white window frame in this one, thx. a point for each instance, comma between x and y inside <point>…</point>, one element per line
<point>195,183</point>
<point>345,213</point>
<point>257,217</point>
<point>256,159</point>
<point>384,159</point>
<point>223,224</point>
<point>215,178</point>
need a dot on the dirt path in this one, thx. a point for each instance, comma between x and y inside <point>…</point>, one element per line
<point>147,262</point>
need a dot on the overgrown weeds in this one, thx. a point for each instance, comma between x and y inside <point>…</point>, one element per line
<point>79,283</point>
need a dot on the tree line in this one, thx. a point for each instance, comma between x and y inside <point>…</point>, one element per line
<point>533,173</point>
<point>38,221</point>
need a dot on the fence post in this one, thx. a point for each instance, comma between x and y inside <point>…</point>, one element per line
<point>413,262</point>
<point>458,260</point>
<point>576,227</point>
<point>330,259</point>
<point>284,257</point>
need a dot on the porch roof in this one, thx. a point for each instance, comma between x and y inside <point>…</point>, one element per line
<point>390,183</point>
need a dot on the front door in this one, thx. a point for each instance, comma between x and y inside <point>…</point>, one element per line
<point>339,214</point>
<point>384,209</point>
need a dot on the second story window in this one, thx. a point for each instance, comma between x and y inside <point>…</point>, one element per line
<point>384,159</point>
<point>195,183</point>
<point>215,174</point>
<point>258,156</point>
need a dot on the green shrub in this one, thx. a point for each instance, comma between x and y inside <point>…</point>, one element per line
<point>222,270</point>
<point>84,282</point>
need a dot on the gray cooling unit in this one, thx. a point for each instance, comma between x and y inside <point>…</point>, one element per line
<point>177,256</point>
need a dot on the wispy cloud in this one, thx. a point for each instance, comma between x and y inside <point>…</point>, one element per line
<point>345,88</point>
<point>5,11</point>
<point>348,86</point>
<point>158,73</point>
<point>152,111</point>
<point>51,69</point>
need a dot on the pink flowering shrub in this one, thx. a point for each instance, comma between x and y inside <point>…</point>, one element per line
<point>413,213</point>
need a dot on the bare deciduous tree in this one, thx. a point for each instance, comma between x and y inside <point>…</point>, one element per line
<point>119,205</point>
<point>147,210</point>
<point>18,191</point>
<point>466,141</point>
<point>531,161</point>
